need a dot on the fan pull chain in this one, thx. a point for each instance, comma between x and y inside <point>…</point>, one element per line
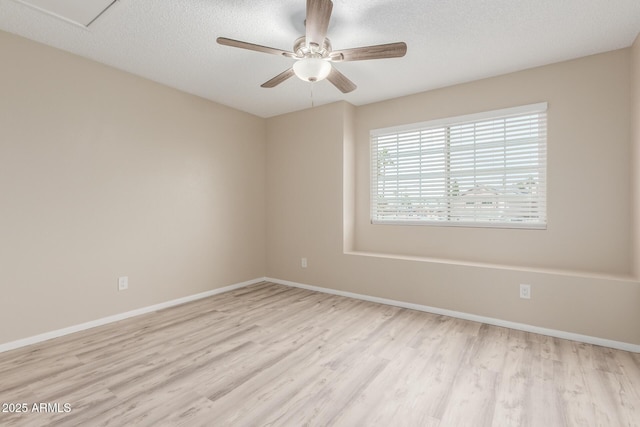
<point>311,88</point>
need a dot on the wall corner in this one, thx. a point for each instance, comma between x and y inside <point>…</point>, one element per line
<point>635,157</point>
<point>348,178</point>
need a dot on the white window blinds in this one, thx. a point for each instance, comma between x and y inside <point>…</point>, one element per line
<point>486,169</point>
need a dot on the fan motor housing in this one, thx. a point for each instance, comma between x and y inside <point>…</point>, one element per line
<point>302,50</point>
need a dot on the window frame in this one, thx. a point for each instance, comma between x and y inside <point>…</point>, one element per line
<point>446,124</point>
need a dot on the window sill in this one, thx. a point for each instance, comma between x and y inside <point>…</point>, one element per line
<point>555,271</point>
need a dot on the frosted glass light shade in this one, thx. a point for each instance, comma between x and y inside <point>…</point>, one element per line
<point>312,69</point>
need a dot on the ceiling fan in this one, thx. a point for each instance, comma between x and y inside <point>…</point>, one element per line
<point>313,53</point>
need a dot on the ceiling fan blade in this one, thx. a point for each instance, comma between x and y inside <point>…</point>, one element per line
<point>380,51</point>
<point>340,81</point>
<point>250,46</point>
<point>278,79</point>
<point>318,15</point>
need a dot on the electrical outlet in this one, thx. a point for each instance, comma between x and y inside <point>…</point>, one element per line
<point>525,291</point>
<point>303,263</point>
<point>123,283</point>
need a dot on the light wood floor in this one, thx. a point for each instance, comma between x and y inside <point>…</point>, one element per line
<point>279,356</point>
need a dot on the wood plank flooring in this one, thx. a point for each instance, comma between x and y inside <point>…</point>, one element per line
<point>270,355</point>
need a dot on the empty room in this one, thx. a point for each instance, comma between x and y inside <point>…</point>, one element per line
<point>322,213</point>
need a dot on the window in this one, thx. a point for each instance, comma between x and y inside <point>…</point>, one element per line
<point>486,169</point>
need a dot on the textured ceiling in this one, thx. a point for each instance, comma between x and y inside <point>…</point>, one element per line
<point>449,42</point>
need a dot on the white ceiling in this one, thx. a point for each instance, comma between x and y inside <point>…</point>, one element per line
<point>449,42</point>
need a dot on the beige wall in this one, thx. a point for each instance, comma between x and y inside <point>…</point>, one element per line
<point>304,188</point>
<point>317,161</point>
<point>588,169</point>
<point>635,158</point>
<point>104,174</point>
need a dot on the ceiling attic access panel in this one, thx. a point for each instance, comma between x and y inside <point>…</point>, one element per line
<point>79,12</point>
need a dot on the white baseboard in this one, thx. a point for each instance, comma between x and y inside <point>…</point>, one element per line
<point>460,315</point>
<point>116,317</point>
<point>475,318</point>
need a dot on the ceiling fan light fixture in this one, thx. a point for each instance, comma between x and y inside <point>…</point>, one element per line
<point>312,69</point>
<point>313,52</point>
